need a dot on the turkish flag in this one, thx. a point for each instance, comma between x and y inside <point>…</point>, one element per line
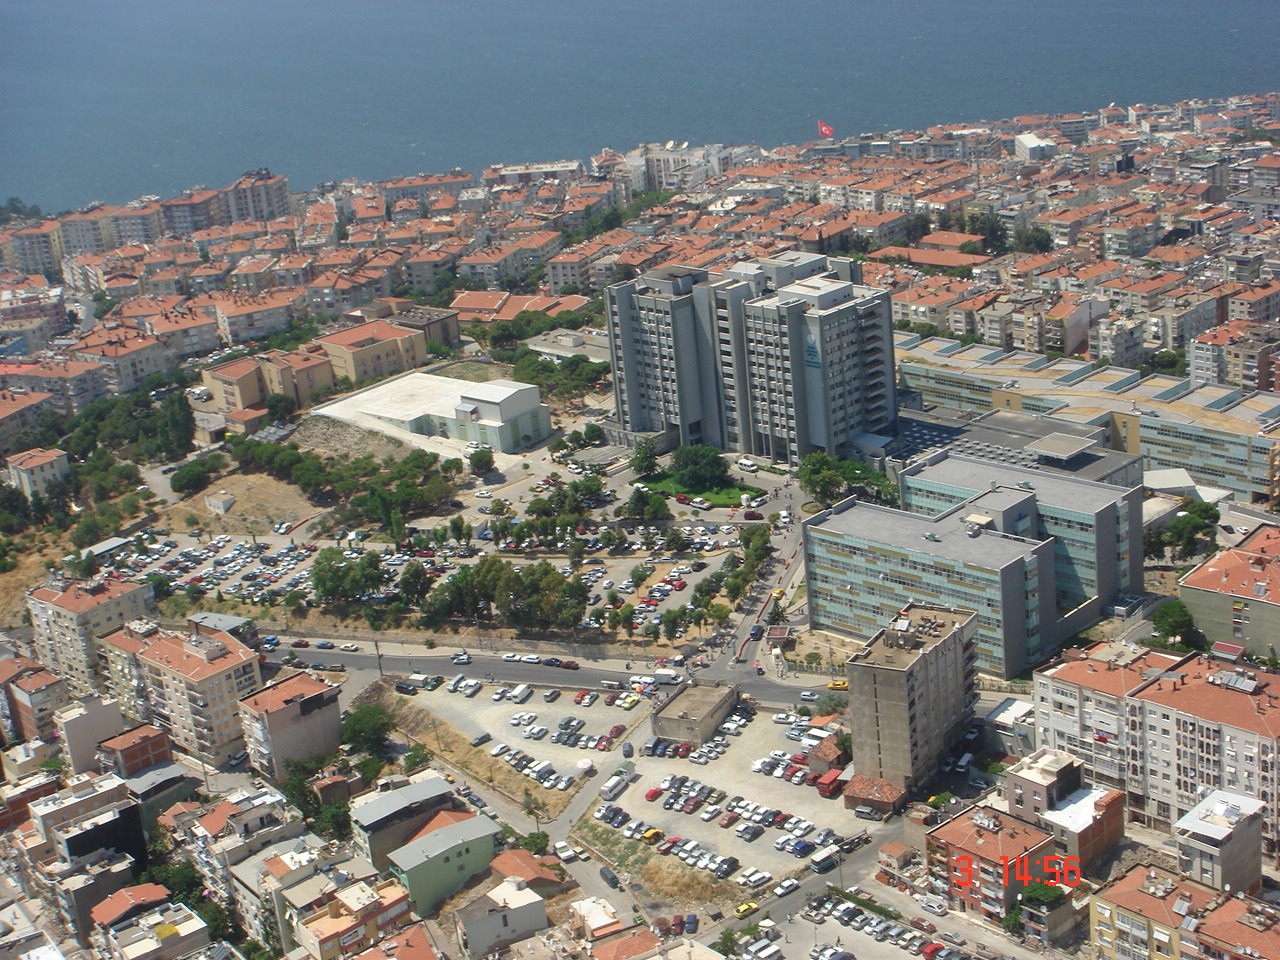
<point>825,129</point>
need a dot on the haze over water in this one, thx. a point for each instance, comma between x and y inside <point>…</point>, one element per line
<point>114,100</point>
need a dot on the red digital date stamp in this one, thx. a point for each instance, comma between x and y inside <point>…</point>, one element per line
<point>1054,870</point>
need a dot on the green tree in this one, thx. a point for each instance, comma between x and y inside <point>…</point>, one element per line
<point>280,406</point>
<point>333,822</point>
<point>1173,619</point>
<point>535,843</point>
<point>644,457</point>
<point>1035,240</point>
<point>414,582</point>
<point>415,758</point>
<point>699,467</point>
<point>830,703</point>
<point>216,919</point>
<point>368,728</point>
<point>916,227</point>
<point>777,614</point>
<point>481,462</point>
<point>593,433</point>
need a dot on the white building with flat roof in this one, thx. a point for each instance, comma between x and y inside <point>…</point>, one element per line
<point>504,414</point>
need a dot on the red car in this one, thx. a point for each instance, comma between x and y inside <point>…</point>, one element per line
<point>617,729</point>
<point>810,779</point>
<point>800,758</point>
<point>682,498</point>
<point>791,771</point>
<point>653,793</point>
<point>300,643</point>
<point>605,743</point>
<point>684,750</point>
<point>679,584</point>
<point>581,695</point>
<point>677,925</point>
<point>753,515</point>
<point>920,923</point>
<point>570,665</point>
<point>667,845</point>
<point>729,819</point>
<point>610,700</point>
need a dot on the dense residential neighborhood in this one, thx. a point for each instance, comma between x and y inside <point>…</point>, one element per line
<point>678,554</point>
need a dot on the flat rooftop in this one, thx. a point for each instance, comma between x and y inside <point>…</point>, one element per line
<point>695,701</point>
<point>1050,489</point>
<point>945,537</point>
<point>915,631</point>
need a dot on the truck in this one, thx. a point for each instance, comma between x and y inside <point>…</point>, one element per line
<point>667,676</point>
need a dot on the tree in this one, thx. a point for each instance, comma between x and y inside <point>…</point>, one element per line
<point>916,227</point>
<point>481,462</point>
<point>1035,240</point>
<point>535,843</point>
<point>776,615</point>
<point>593,433</point>
<point>414,582</point>
<point>368,728</point>
<point>699,467</point>
<point>644,457</point>
<point>1173,619</point>
<point>280,406</point>
<point>333,822</point>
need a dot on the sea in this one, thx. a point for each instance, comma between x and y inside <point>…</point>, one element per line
<point>114,99</point>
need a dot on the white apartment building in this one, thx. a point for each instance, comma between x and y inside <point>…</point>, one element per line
<point>193,686</point>
<point>1166,729</point>
<point>68,614</point>
<point>776,357</point>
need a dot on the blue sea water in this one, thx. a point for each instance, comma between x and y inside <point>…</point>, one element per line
<point>112,100</point>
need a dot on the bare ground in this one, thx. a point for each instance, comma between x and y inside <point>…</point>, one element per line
<point>330,437</point>
<point>261,502</point>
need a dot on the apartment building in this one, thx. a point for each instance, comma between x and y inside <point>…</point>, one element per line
<point>193,685</point>
<point>163,931</point>
<point>129,356</point>
<point>257,195</point>
<point>70,385</point>
<point>1165,728</point>
<point>34,701</point>
<point>914,683</point>
<point>373,350</point>
<point>987,858</point>
<point>1220,842</point>
<point>357,917</point>
<point>68,615</point>
<point>37,249</point>
<point>777,357</point>
<point>384,821</point>
<point>80,725</point>
<point>507,914</point>
<point>1146,911</point>
<point>139,748</point>
<point>18,412</point>
<point>441,858</point>
<point>1235,594</point>
<point>282,884</point>
<point>192,210</point>
<point>89,231</point>
<point>34,470</point>
<point>78,846</point>
<point>290,719</point>
<point>218,836</point>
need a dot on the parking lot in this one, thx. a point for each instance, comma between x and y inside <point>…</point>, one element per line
<point>538,729</point>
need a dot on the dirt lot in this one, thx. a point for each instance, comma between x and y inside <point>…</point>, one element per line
<point>330,437</point>
<point>261,501</point>
<point>29,572</point>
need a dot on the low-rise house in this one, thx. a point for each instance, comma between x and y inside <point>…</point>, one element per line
<point>384,821</point>
<point>443,856</point>
<point>508,913</point>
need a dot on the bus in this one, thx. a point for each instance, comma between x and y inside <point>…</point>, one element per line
<point>825,860</point>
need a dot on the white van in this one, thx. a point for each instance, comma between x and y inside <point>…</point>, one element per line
<point>521,693</point>
<point>748,465</point>
<point>613,788</point>
<point>642,681</point>
<point>962,767</point>
<point>456,682</point>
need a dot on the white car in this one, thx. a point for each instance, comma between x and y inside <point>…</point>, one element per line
<point>531,658</point>
<point>501,694</point>
<point>808,696</point>
<point>789,885</point>
<point>511,657</point>
<point>484,495</point>
<point>499,750</point>
<point>350,647</point>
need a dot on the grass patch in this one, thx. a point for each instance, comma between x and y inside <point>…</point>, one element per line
<point>728,496</point>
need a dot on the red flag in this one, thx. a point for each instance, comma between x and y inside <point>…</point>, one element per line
<point>825,129</point>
